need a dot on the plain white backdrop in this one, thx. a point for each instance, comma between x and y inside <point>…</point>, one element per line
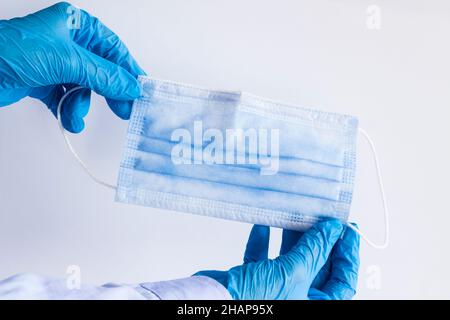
<point>322,54</point>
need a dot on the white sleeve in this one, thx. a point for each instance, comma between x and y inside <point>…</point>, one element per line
<point>34,287</point>
<point>193,288</point>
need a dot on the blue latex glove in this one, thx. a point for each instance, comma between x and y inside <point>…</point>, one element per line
<point>317,265</point>
<point>53,50</point>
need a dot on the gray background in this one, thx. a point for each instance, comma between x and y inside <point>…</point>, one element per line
<point>312,53</point>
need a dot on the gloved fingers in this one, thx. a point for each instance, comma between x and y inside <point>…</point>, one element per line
<point>10,96</point>
<point>345,264</point>
<point>337,290</point>
<point>312,251</point>
<point>323,276</point>
<point>290,239</point>
<point>257,245</point>
<point>49,95</point>
<point>94,36</point>
<point>78,102</point>
<point>103,77</point>
<point>75,109</point>
<point>122,109</point>
<point>317,295</point>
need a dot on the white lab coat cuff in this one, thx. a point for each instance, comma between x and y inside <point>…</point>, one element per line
<point>193,288</point>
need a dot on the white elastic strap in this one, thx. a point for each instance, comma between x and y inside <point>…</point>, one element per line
<point>69,144</point>
<point>383,196</point>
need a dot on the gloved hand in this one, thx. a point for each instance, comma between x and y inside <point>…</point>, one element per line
<point>317,265</point>
<point>58,48</point>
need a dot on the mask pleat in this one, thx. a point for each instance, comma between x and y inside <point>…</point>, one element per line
<point>258,198</point>
<point>287,165</point>
<point>239,176</point>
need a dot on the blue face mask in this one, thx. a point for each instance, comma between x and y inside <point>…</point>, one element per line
<point>303,164</point>
<point>236,156</point>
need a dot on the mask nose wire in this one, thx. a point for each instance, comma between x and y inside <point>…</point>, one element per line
<point>385,244</point>
<point>69,144</point>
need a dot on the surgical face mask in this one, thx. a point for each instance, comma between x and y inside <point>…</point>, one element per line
<point>236,156</point>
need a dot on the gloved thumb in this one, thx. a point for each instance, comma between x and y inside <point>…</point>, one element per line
<point>311,253</point>
<point>103,77</point>
<point>258,245</point>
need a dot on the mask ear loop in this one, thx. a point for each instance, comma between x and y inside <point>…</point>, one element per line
<point>383,196</point>
<point>69,144</point>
